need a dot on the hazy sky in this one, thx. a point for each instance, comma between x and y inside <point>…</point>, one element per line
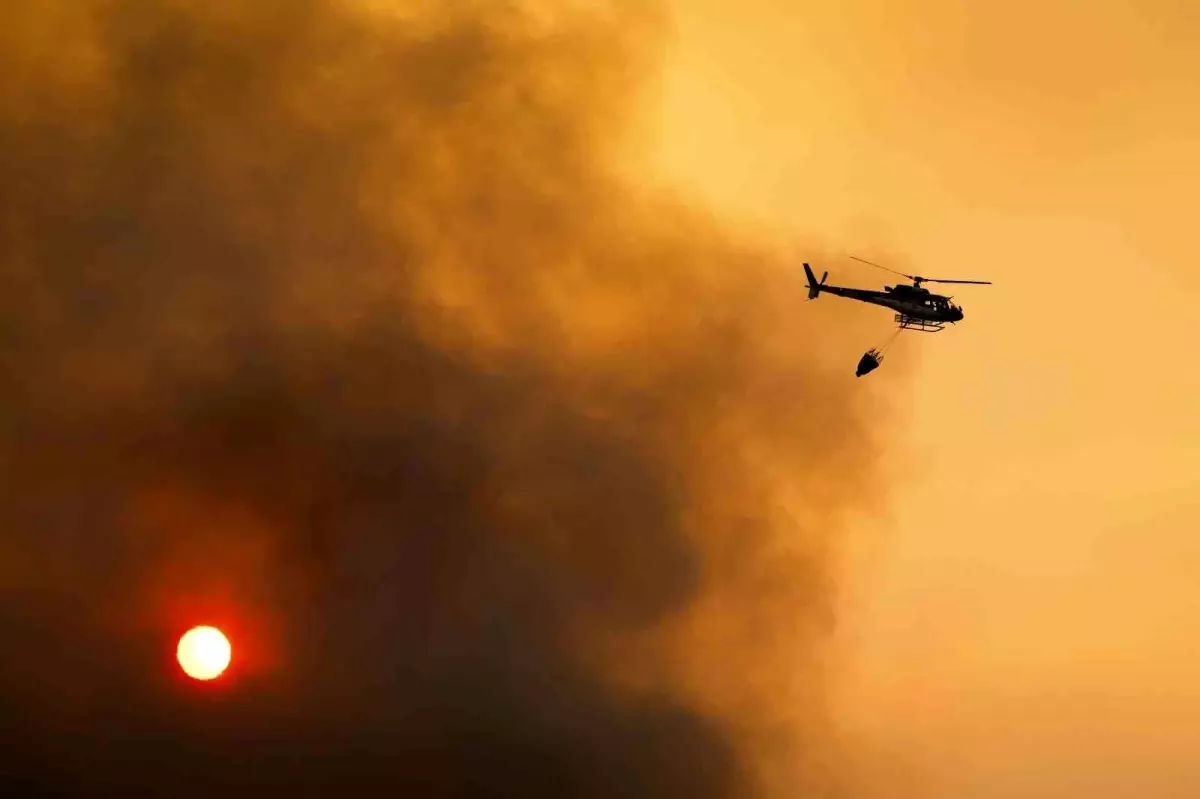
<point>1025,622</point>
<point>505,475</point>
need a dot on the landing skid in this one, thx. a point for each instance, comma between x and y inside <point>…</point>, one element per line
<point>907,322</point>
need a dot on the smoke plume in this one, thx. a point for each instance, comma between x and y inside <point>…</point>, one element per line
<point>342,328</point>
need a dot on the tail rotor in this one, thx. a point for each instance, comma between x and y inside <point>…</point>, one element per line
<point>814,286</point>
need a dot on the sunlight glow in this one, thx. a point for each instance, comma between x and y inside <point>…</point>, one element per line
<point>204,653</point>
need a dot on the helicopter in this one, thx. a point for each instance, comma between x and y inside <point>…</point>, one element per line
<point>916,308</point>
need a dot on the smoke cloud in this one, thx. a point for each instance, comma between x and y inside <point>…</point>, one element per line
<point>342,328</point>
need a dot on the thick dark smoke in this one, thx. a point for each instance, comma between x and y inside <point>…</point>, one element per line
<point>339,329</point>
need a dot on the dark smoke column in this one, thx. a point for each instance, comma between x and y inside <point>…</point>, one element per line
<point>338,329</point>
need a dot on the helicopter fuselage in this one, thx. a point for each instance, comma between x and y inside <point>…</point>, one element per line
<point>916,308</point>
<point>914,302</point>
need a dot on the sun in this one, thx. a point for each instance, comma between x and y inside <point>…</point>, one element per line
<point>204,653</point>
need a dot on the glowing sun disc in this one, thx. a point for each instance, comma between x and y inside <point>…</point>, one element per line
<point>203,653</point>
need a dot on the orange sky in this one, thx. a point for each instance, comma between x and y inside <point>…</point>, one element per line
<point>1025,623</point>
<point>1022,624</point>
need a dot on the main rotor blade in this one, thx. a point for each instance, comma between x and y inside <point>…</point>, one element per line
<point>918,277</point>
<point>884,268</point>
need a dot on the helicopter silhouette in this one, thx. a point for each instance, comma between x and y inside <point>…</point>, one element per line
<point>916,308</point>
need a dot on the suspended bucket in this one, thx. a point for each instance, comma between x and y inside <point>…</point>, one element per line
<point>868,363</point>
